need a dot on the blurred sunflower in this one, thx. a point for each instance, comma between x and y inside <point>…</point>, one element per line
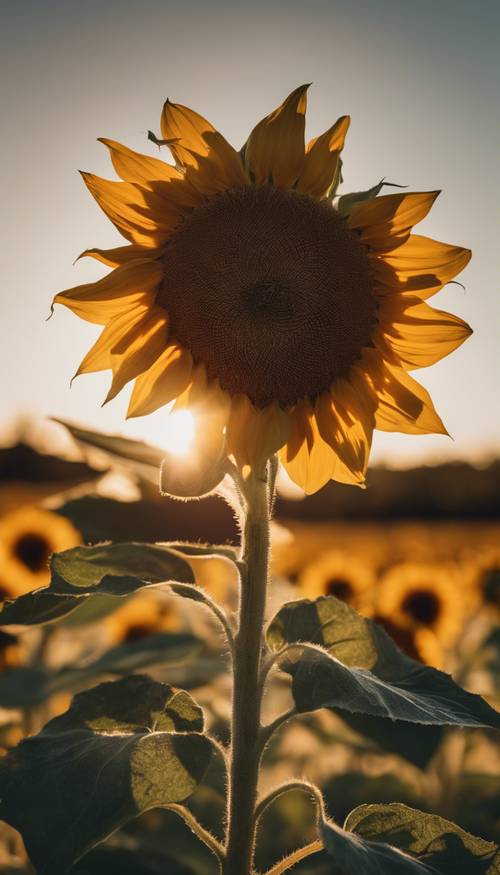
<point>289,322</point>
<point>28,537</point>
<point>141,615</point>
<point>338,574</point>
<point>485,578</point>
<point>424,606</point>
<point>10,651</point>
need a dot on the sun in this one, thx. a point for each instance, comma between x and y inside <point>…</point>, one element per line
<point>179,434</point>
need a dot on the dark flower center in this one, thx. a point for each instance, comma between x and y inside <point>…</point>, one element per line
<point>271,291</point>
<point>422,606</point>
<point>340,588</point>
<point>138,631</point>
<point>32,550</point>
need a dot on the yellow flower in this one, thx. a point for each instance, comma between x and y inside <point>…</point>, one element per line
<point>28,537</point>
<point>335,573</point>
<point>246,294</point>
<point>141,615</point>
<point>425,601</point>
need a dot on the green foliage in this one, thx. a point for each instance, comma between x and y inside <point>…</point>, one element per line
<point>106,569</point>
<point>446,847</point>
<point>122,748</point>
<point>138,452</point>
<point>374,677</point>
<point>23,687</point>
<point>352,853</point>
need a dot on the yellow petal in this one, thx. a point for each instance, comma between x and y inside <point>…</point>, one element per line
<point>404,405</point>
<point>138,214</point>
<point>197,139</point>
<point>344,424</point>
<point>420,266</point>
<point>137,349</point>
<point>322,159</point>
<point>274,152</point>
<point>127,286</point>
<point>166,181</point>
<point>309,460</point>
<point>383,219</point>
<point>98,357</point>
<point>120,255</point>
<point>253,434</point>
<point>167,378</point>
<point>418,335</point>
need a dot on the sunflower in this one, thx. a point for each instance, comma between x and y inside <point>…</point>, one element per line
<point>288,319</point>
<point>338,574</point>
<point>426,601</point>
<point>28,537</point>
<point>141,615</point>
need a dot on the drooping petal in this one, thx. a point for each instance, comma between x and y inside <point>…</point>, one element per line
<point>404,405</point>
<point>253,434</point>
<point>197,138</point>
<point>418,335</point>
<point>420,266</point>
<point>322,159</point>
<point>120,255</point>
<point>167,378</point>
<point>125,287</point>
<point>274,152</point>
<point>309,460</point>
<point>387,220</point>
<point>137,349</point>
<point>138,214</point>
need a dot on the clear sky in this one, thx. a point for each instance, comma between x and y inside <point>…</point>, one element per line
<point>420,80</point>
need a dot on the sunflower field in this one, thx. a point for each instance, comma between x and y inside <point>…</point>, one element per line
<point>245,652</point>
<point>432,585</point>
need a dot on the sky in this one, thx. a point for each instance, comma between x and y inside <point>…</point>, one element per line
<point>420,81</point>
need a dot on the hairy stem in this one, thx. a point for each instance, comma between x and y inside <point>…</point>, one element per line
<point>247,693</point>
<point>296,857</point>
<point>203,834</point>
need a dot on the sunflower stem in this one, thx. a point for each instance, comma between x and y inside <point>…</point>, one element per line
<point>247,691</point>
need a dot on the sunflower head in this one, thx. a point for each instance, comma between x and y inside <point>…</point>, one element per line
<point>141,615</point>
<point>286,318</point>
<point>337,574</point>
<point>28,537</point>
<point>425,600</point>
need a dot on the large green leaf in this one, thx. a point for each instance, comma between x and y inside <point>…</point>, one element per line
<point>23,687</point>
<point>106,569</point>
<point>442,844</point>
<point>122,748</point>
<point>374,676</point>
<point>353,854</point>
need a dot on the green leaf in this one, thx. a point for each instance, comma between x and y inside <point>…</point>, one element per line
<point>27,687</point>
<point>106,569</point>
<point>395,687</point>
<point>22,687</point>
<point>353,854</point>
<point>117,445</point>
<point>116,569</point>
<point>347,202</point>
<point>122,748</point>
<point>444,845</point>
<point>169,648</point>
